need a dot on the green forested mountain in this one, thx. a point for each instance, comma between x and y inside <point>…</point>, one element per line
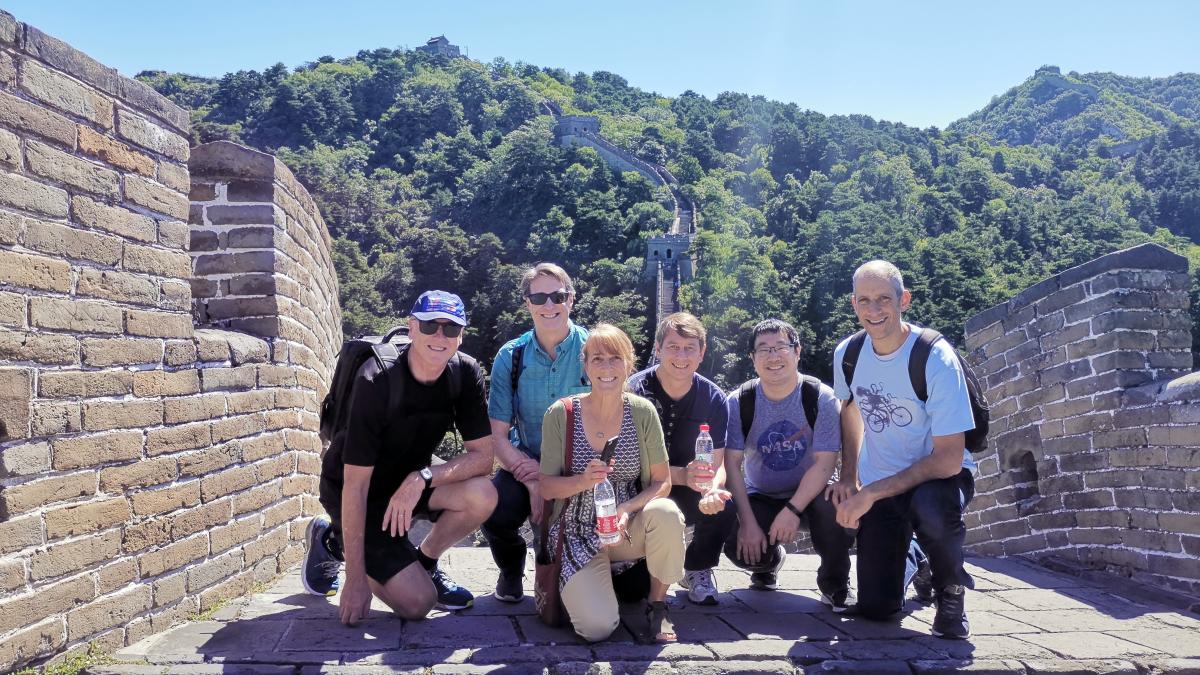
<point>435,172</point>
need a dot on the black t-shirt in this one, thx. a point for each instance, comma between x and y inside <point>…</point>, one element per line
<point>396,444</point>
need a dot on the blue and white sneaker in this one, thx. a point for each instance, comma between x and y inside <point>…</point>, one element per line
<point>450,595</point>
<point>320,571</point>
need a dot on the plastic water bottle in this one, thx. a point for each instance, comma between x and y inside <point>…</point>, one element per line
<point>704,453</point>
<point>606,513</point>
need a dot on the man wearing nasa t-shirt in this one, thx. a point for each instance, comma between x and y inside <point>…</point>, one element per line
<point>907,455</point>
<point>787,466</point>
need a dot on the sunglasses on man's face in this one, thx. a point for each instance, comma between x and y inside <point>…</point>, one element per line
<point>450,330</point>
<point>557,297</point>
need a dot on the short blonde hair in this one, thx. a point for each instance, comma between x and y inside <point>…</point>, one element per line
<point>606,338</point>
<point>684,324</point>
<point>546,269</point>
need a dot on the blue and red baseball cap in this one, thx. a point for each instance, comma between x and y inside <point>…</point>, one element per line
<point>434,305</point>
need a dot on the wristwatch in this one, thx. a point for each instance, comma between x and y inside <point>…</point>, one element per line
<point>427,476</point>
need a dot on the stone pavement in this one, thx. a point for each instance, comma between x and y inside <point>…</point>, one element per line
<point>1024,619</point>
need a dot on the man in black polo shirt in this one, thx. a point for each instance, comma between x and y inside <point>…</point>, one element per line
<point>377,475</point>
<point>685,400</point>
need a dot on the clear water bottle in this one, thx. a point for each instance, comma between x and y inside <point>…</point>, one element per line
<point>606,513</point>
<point>704,453</point>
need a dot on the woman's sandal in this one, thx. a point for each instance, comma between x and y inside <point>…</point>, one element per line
<point>661,629</point>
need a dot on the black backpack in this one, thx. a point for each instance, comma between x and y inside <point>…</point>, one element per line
<point>810,392</point>
<point>387,350</point>
<point>976,439</point>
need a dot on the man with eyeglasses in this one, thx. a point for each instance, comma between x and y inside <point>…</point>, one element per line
<point>788,460</point>
<point>685,400</point>
<point>378,474</point>
<point>548,367</point>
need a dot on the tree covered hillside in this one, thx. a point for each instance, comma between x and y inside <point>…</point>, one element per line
<point>444,173</point>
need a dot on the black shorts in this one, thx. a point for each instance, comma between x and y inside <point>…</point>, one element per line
<point>384,554</point>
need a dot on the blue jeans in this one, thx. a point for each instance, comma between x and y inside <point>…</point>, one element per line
<point>888,554</point>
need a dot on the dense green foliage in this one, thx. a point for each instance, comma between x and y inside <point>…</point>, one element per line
<point>444,173</point>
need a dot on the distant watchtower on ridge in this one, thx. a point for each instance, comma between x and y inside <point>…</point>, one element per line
<point>440,46</point>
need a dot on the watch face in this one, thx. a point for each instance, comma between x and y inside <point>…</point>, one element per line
<point>426,474</point>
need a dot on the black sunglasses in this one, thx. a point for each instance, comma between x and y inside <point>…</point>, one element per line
<point>557,297</point>
<point>450,330</point>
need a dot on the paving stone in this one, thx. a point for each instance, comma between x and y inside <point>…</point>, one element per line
<point>783,626</point>
<point>488,605</point>
<point>1109,602</point>
<point>726,603</point>
<point>984,647</point>
<point>780,602</point>
<point>1174,667</point>
<point>1083,645</point>
<point>613,668</point>
<point>531,654</point>
<point>905,626</point>
<point>688,627</point>
<point>411,657</point>
<point>1085,667</point>
<point>293,657</point>
<point>212,638</point>
<point>538,633</point>
<point>866,650</point>
<point>460,631</point>
<point>732,667</point>
<point>296,606</point>
<point>193,669</point>
<point>1036,598</point>
<point>680,651</point>
<point>1013,574</point>
<point>990,623</point>
<point>334,669</point>
<point>371,635</point>
<point>1069,620</point>
<point>468,669</point>
<point>797,652</point>
<point>1173,641</point>
<point>979,666</point>
<point>1175,619</point>
<point>880,666</point>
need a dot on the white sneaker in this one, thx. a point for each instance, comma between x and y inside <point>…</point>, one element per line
<point>702,588</point>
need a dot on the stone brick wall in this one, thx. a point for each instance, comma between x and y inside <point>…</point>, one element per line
<point>148,469</point>
<point>1095,446</point>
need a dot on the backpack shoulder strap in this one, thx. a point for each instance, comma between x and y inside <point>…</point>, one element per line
<point>810,394</point>
<point>388,353</point>
<point>518,356</point>
<point>746,395</point>
<point>850,358</point>
<point>918,359</point>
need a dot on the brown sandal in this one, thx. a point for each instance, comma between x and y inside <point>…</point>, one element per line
<point>659,619</point>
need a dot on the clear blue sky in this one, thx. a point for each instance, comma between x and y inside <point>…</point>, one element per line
<point>922,63</point>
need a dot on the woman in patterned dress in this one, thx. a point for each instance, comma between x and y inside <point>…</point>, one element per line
<point>650,525</point>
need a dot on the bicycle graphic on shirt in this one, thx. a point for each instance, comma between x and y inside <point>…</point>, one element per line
<point>879,410</point>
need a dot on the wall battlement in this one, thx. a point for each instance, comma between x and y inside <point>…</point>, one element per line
<point>150,466</point>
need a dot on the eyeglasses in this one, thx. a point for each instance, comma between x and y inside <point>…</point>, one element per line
<point>450,330</point>
<point>557,297</point>
<point>763,352</point>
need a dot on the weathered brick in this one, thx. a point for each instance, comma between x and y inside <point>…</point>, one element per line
<point>45,601</point>
<point>27,459</point>
<point>1179,522</point>
<point>115,219</point>
<point>104,415</point>
<point>276,467</point>
<point>17,499</point>
<point>300,485</point>
<point>157,261</point>
<point>57,165</point>
<point>165,500</point>
<point>74,556</point>
<point>10,145</point>
<point>222,379</point>
<point>177,439</point>
<point>77,316</point>
<point>227,482</point>
<point>12,227</point>
<point>156,197</point>
<point>12,576</point>
<point>34,271</point>
<point>145,133</point>
<point>143,535</point>
<point>200,518</point>
<point>174,234</point>
<point>115,576</point>
<point>107,612</point>
<point>250,401</point>
<point>268,545</point>
<point>1188,435</point>
<point>169,589</point>
<point>85,518</point>
<point>258,214</point>
<point>236,586</point>
<point>237,427</point>
<point>193,408</point>
<point>104,352</point>
<point>117,479</point>
<point>276,376</point>
<point>117,286</point>
<point>114,152</point>
<point>209,460</point>
<point>17,113</point>
<point>234,263</point>
<point>157,324</point>
<point>216,309</point>
<point>65,94</point>
<point>14,309</point>
<point>173,556</point>
<point>71,453</point>
<point>180,353</point>
<point>175,295</point>
<point>86,384</point>
<point>282,512</point>
<point>16,391</point>
<point>162,383</point>
<point>236,532</point>
<point>20,533</point>
<point>267,445</point>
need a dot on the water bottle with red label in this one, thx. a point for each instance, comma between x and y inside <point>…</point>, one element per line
<point>704,454</point>
<point>606,513</point>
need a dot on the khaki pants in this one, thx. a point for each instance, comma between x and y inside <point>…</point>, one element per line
<point>656,534</point>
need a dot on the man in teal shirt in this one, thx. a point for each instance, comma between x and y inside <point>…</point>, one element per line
<point>550,368</point>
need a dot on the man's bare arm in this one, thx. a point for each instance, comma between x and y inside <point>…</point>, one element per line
<point>476,461</point>
<point>944,462</point>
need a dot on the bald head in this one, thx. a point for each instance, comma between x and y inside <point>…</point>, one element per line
<point>883,270</point>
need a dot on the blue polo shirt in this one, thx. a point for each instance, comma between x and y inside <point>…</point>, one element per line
<point>543,381</point>
<point>703,404</point>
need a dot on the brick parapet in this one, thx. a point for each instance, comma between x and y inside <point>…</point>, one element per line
<point>1094,441</point>
<point>149,468</point>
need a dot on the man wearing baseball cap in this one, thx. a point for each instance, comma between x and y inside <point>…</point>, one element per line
<point>381,475</point>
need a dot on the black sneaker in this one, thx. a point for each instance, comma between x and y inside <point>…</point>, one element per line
<point>840,600</point>
<point>950,622</point>
<point>320,571</point>
<point>450,595</point>
<point>509,587</point>
<point>923,582</point>
<point>766,581</point>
